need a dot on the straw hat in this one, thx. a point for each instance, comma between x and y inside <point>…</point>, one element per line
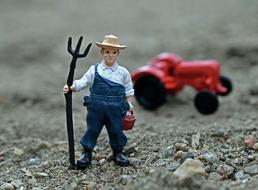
<point>110,41</point>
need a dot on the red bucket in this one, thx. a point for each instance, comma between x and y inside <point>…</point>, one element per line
<point>128,121</point>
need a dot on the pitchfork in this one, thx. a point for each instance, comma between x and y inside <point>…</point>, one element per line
<point>68,96</point>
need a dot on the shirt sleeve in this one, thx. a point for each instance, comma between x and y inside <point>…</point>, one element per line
<point>86,80</point>
<point>128,84</point>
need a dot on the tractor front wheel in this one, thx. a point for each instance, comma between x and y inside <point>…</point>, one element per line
<point>150,92</point>
<point>206,102</point>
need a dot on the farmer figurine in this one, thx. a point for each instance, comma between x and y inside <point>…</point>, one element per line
<point>110,90</point>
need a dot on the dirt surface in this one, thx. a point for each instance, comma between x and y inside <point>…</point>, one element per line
<point>33,69</point>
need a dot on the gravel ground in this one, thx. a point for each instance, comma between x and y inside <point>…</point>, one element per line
<point>174,147</point>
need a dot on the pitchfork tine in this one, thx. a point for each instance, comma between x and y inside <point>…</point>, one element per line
<point>78,46</point>
<point>69,46</point>
<point>85,53</point>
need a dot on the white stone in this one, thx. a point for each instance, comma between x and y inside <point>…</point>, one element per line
<point>190,167</point>
<point>18,151</point>
<point>7,186</point>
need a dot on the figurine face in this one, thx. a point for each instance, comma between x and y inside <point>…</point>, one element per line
<point>109,55</point>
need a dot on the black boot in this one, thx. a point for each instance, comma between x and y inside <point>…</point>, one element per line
<point>119,158</point>
<point>85,159</point>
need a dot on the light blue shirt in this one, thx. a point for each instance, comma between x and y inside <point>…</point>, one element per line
<point>116,73</point>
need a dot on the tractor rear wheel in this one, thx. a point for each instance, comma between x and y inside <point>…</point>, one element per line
<point>150,92</point>
<point>206,102</point>
<point>226,82</point>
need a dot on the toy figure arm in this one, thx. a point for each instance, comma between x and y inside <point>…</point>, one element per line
<point>129,91</point>
<point>86,80</point>
<point>129,100</point>
<point>128,84</point>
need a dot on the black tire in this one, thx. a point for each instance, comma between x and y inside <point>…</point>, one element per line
<point>206,102</point>
<point>226,82</point>
<point>150,92</point>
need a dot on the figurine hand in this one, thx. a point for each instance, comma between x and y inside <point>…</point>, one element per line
<point>66,88</point>
<point>131,106</point>
<point>73,88</point>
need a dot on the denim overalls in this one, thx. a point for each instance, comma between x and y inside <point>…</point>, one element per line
<point>107,106</point>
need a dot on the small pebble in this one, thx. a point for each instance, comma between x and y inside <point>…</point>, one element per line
<point>181,146</point>
<point>178,155</point>
<point>94,162</point>
<point>215,176</point>
<point>253,169</point>
<point>102,161</point>
<point>40,175</point>
<point>7,186</point>
<point>135,162</point>
<point>210,157</point>
<point>125,179</point>
<point>16,183</point>
<point>255,147</point>
<point>168,151</point>
<point>18,151</point>
<point>240,175</point>
<point>249,141</point>
<point>225,170</point>
<point>34,161</point>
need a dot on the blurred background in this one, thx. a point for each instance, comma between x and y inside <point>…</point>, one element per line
<point>34,34</point>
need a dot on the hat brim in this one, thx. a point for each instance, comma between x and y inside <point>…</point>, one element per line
<point>104,45</point>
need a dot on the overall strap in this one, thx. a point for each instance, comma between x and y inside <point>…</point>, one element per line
<point>96,67</point>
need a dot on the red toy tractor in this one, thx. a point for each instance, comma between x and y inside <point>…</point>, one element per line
<point>168,74</point>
